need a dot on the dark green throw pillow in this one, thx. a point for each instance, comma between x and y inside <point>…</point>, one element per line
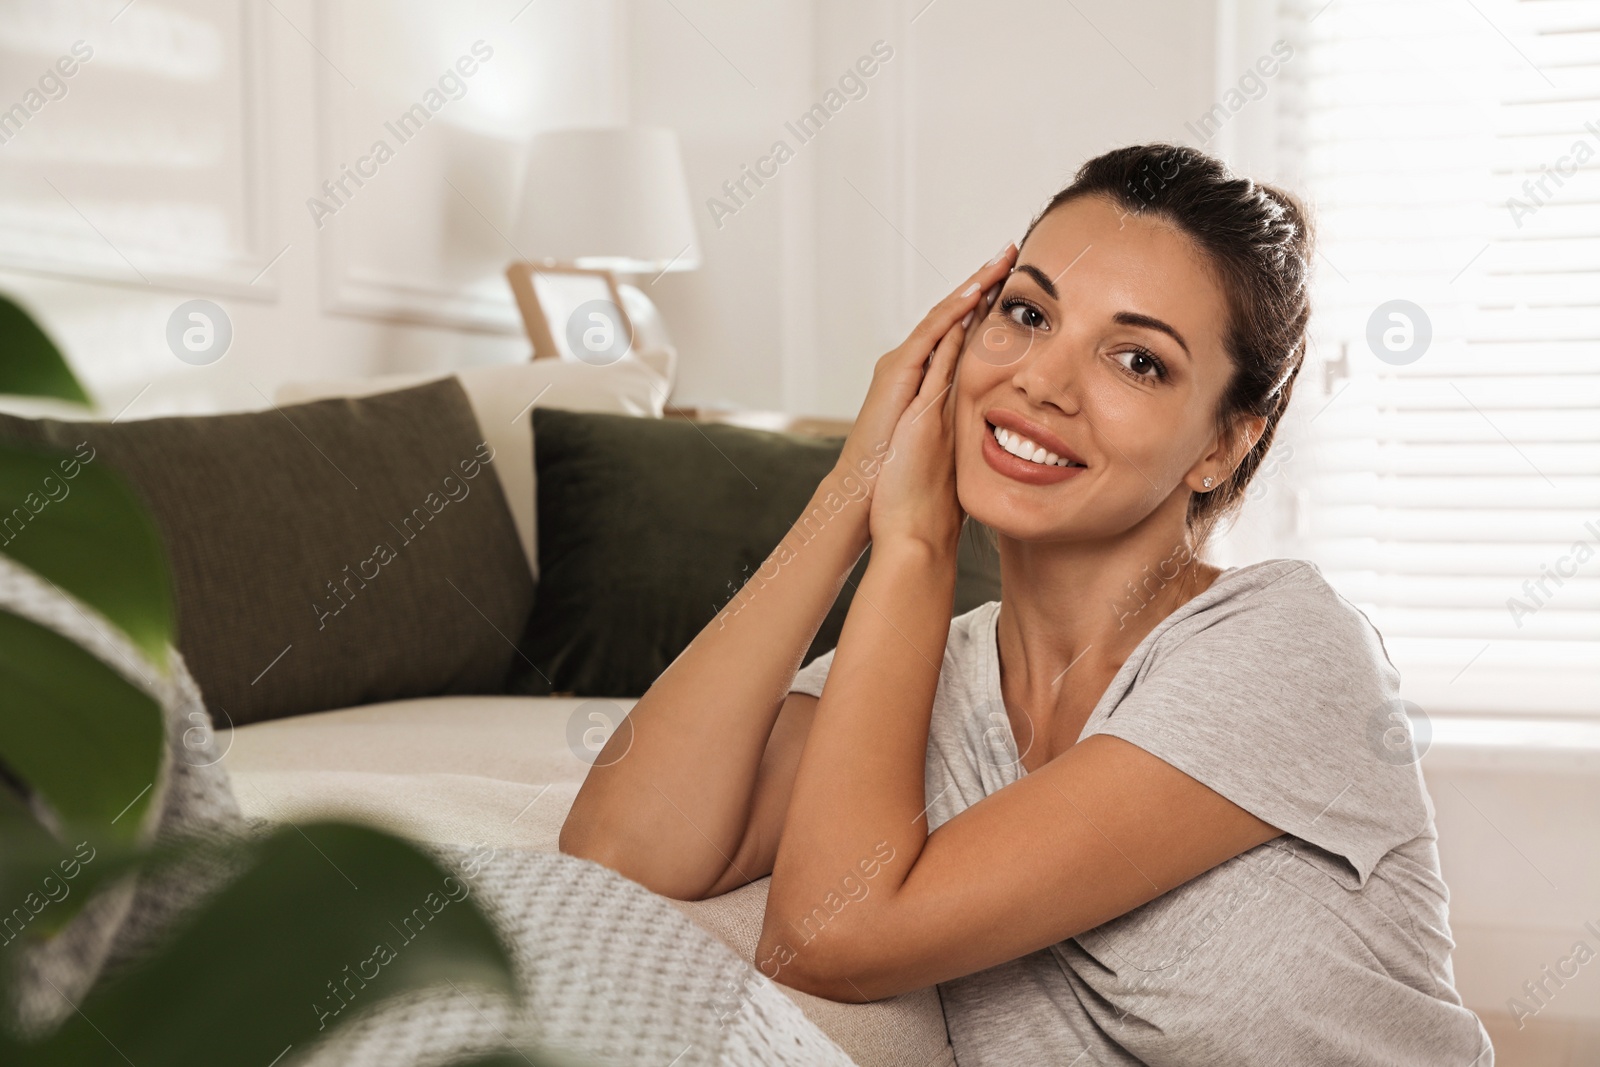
<point>323,555</point>
<point>648,527</point>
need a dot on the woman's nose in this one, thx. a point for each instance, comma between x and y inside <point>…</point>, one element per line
<point>1050,373</point>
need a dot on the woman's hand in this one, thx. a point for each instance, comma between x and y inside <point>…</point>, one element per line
<point>899,374</point>
<point>915,500</point>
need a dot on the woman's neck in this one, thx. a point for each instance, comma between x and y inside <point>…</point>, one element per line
<point>1083,608</point>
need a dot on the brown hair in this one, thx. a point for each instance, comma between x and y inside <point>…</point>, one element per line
<point>1259,240</point>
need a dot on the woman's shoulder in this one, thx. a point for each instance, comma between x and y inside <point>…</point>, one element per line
<point>1277,578</point>
<point>1291,600</point>
<point>1277,622</point>
<point>1275,691</point>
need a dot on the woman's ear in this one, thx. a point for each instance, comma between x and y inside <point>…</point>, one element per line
<point>1229,450</point>
<point>1245,431</point>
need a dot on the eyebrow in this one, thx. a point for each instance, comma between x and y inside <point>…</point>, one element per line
<point>1041,277</point>
<point>1133,318</point>
<point>1125,318</point>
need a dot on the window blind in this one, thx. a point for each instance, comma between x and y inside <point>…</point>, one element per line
<point>1451,152</point>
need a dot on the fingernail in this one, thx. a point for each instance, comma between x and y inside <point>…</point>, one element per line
<point>998,256</point>
<point>966,320</point>
<point>969,290</point>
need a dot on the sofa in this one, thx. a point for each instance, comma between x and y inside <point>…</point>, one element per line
<point>497,772</point>
<point>399,717</point>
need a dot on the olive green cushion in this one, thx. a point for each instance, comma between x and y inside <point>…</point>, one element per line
<point>326,554</point>
<point>647,528</point>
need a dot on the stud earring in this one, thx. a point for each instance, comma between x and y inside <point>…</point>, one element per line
<point>1207,482</point>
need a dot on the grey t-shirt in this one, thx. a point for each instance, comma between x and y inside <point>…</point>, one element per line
<point>1329,944</point>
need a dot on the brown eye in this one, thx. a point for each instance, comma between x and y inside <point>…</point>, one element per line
<point>1143,363</point>
<point>1031,317</point>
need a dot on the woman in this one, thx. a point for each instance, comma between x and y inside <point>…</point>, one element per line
<point>1140,810</point>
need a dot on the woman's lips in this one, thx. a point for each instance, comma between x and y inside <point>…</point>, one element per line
<point>1021,469</point>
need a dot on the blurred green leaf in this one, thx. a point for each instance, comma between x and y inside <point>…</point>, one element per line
<point>89,534</point>
<point>44,882</point>
<point>20,832</point>
<point>74,730</point>
<point>30,363</point>
<point>327,921</point>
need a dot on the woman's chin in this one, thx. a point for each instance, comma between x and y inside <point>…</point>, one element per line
<point>1024,517</point>
<point>1007,520</point>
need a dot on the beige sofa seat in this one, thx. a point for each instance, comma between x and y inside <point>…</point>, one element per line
<point>497,771</point>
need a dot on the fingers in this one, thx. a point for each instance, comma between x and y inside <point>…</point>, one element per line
<point>940,376</point>
<point>948,405</point>
<point>949,311</point>
<point>990,295</point>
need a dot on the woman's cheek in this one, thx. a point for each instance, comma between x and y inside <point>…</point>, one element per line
<point>1133,431</point>
<point>1133,419</point>
<point>976,373</point>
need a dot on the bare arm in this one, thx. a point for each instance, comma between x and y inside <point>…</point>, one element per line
<point>769,804</point>
<point>690,794</point>
<point>670,797</point>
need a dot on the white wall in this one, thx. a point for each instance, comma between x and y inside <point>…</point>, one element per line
<point>980,115</point>
<point>181,159</point>
<point>1517,839</point>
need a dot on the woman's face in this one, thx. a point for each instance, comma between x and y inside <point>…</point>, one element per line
<point>1105,346</point>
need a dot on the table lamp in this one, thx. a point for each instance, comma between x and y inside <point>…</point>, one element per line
<point>600,202</point>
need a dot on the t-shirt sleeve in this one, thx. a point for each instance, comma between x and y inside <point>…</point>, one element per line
<point>1283,700</point>
<point>809,679</point>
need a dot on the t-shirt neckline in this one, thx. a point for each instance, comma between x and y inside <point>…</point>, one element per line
<point>1118,683</point>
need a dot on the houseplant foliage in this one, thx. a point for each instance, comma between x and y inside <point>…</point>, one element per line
<point>83,754</point>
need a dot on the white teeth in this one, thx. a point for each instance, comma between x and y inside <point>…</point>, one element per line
<point>1023,448</point>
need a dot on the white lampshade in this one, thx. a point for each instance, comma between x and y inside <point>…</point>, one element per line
<point>611,199</point>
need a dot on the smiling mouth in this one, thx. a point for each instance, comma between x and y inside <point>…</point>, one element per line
<point>1024,449</point>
